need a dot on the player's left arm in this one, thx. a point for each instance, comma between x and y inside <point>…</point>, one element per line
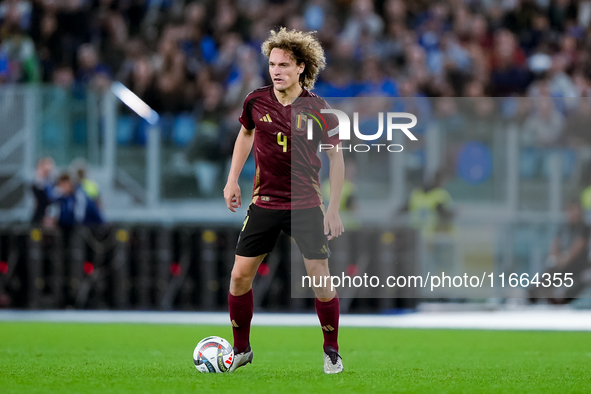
<point>333,226</point>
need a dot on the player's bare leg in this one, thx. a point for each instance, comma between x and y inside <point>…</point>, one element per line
<point>327,309</point>
<point>243,273</point>
<point>241,305</point>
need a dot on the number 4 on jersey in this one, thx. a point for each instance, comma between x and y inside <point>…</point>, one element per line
<point>282,141</point>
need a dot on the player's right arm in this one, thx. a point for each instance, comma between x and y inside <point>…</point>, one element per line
<point>242,148</point>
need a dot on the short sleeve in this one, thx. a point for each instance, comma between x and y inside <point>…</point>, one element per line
<point>331,134</point>
<point>246,118</point>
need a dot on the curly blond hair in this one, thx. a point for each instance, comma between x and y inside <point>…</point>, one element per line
<point>304,47</point>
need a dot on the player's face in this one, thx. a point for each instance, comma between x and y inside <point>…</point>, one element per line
<point>284,71</point>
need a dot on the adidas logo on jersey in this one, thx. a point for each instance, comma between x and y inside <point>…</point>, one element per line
<point>266,118</point>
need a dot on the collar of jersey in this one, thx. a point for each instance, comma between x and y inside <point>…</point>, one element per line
<point>288,105</point>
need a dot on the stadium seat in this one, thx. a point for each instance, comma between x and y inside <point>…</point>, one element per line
<point>51,133</point>
<point>183,129</point>
<point>125,128</point>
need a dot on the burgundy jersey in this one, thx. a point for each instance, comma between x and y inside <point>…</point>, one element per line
<point>287,163</point>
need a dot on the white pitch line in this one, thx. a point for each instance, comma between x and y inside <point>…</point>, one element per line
<point>559,320</point>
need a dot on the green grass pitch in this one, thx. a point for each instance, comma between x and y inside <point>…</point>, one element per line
<point>141,358</point>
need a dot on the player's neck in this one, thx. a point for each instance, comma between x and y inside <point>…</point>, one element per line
<point>285,96</point>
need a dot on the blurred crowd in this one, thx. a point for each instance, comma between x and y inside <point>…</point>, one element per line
<point>205,56</point>
<point>195,61</point>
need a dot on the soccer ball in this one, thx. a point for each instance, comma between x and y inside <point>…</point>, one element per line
<point>213,354</point>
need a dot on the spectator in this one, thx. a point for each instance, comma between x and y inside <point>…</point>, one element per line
<point>416,66</point>
<point>135,50</point>
<point>374,82</point>
<point>114,36</point>
<point>204,151</point>
<point>227,57</point>
<point>543,128</point>
<point>521,15</point>
<point>142,81</point>
<point>90,70</point>
<point>199,48</point>
<point>456,61</point>
<point>559,12</point>
<point>74,27</point>
<point>396,11</point>
<point>49,45</point>
<point>19,48</point>
<point>133,12</point>
<point>18,11</point>
<point>63,77</point>
<point>315,14</point>
<point>430,207</point>
<point>90,187</point>
<point>171,80</point>
<point>568,254</point>
<point>568,52</point>
<point>390,48</point>
<point>247,77</point>
<point>75,207</point>
<point>539,34</point>
<point>225,18</point>
<point>508,73</point>
<point>560,83</point>
<point>362,20</point>
<point>42,188</point>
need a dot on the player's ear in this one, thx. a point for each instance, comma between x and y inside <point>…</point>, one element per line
<point>301,67</point>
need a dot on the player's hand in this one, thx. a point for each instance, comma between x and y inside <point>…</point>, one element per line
<point>333,226</point>
<point>232,196</point>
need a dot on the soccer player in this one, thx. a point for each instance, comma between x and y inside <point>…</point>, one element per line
<point>286,191</point>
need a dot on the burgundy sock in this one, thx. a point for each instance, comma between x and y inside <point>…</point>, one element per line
<point>328,314</point>
<point>241,311</point>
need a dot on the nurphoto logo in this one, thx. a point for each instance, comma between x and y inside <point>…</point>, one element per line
<point>344,130</point>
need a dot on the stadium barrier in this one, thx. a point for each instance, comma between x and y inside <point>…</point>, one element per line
<point>146,267</point>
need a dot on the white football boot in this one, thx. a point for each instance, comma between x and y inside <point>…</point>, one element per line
<point>333,362</point>
<point>241,359</point>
